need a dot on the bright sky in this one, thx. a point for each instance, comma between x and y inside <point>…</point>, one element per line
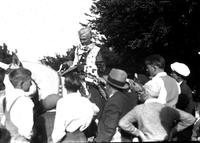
<point>38,28</point>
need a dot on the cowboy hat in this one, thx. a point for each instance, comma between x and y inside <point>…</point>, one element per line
<point>117,78</point>
<point>85,32</point>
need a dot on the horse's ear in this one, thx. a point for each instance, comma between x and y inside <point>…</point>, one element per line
<point>15,59</point>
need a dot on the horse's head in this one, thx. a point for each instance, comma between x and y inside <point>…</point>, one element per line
<point>16,63</point>
<point>6,68</point>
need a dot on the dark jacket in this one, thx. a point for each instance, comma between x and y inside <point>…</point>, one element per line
<point>185,99</point>
<point>185,103</point>
<point>115,108</point>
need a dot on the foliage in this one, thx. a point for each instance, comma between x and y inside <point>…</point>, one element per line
<point>56,61</point>
<point>5,57</point>
<point>5,54</point>
<point>135,28</point>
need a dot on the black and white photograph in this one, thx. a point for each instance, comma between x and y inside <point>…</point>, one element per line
<point>99,71</point>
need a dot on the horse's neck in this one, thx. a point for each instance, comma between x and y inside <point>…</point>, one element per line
<point>46,78</point>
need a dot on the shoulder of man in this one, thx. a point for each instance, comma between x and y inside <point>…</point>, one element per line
<point>26,99</point>
<point>94,47</point>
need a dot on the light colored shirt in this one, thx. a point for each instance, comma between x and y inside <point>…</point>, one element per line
<point>155,120</point>
<point>73,112</point>
<point>179,83</point>
<point>156,86</point>
<point>21,113</point>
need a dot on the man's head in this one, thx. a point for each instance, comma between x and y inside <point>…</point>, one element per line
<point>150,92</point>
<point>85,36</point>
<point>179,71</point>
<point>154,64</point>
<point>21,78</point>
<point>72,82</point>
<point>116,80</point>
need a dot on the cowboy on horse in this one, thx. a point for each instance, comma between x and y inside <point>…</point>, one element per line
<point>87,59</point>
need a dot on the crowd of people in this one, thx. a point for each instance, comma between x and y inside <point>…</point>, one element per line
<point>99,107</point>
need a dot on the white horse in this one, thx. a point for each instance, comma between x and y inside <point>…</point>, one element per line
<point>47,82</point>
<point>48,85</point>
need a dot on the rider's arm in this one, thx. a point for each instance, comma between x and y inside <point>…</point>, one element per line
<point>76,58</point>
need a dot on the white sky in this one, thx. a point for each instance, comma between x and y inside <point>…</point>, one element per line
<point>38,28</point>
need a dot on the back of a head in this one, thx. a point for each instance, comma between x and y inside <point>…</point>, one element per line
<point>155,60</point>
<point>19,75</point>
<point>152,91</point>
<point>72,82</point>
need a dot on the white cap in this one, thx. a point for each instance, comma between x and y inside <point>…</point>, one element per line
<point>180,68</point>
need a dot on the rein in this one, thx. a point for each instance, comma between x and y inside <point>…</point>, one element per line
<point>96,80</point>
<point>60,87</point>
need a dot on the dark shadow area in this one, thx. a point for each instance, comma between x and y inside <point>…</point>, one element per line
<point>168,118</point>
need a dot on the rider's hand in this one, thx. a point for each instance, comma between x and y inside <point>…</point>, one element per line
<point>102,80</point>
<point>136,86</point>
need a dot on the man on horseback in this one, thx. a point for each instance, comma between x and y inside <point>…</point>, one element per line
<point>87,58</point>
<point>89,64</point>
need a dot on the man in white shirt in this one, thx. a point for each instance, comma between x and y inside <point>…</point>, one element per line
<point>165,86</point>
<point>89,48</point>
<point>19,107</point>
<point>74,113</point>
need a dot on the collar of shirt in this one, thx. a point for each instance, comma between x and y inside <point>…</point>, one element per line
<point>160,74</point>
<point>179,83</point>
<point>89,47</point>
<point>112,94</point>
<point>72,94</point>
<point>150,100</point>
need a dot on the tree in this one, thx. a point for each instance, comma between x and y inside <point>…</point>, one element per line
<point>5,54</point>
<point>135,28</point>
<point>55,62</point>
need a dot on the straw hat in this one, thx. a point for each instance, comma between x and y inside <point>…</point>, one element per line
<point>117,78</point>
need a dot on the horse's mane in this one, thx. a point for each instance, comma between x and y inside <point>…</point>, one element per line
<point>37,64</point>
